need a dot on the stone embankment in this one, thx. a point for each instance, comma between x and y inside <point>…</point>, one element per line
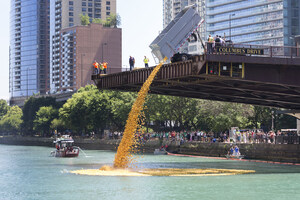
<point>269,152</point>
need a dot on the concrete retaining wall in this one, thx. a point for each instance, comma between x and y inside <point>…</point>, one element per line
<point>270,152</point>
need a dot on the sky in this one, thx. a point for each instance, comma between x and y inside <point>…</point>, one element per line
<point>141,22</point>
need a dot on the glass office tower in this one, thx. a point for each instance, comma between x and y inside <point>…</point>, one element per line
<point>29,48</point>
<point>261,22</point>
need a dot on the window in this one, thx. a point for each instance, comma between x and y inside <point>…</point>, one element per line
<point>107,8</point>
<point>71,3</point>
<point>83,4</point>
<point>90,9</point>
<point>71,19</point>
<point>70,14</point>
<point>83,9</point>
<point>107,2</point>
<point>90,4</point>
<point>107,13</point>
<point>71,9</point>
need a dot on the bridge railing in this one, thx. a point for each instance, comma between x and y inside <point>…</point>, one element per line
<point>254,50</point>
<point>287,139</point>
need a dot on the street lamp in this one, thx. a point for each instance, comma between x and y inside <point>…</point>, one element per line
<point>230,15</point>
<point>102,50</point>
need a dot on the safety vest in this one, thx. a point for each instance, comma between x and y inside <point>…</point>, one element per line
<point>146,60</point>
<point>210,39</point>
<point>105,65</point>
<point>101,66</point>
<point>96,65</point>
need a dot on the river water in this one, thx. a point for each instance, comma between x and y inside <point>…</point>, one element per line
<point>29,173</point>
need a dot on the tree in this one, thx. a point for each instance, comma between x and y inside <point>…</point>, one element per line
<point>58,125</point>
<point>43,119</point>
<point>3,108</point>
<point>112,21</point>
<point>97,21</point>
<point>262,118</point>
<point>84,19</point>
<point>12,120</point>
<point>120,107</point>
<point>88,109</point>
<point>31,106</point>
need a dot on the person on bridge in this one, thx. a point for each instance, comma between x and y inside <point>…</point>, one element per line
<point>96,67</point>
<point>217,42</point>
<point>210,44</point>
<point>101,68</point>
<point>131,62</point>
<point>104,66</point>
<point>146,61</point>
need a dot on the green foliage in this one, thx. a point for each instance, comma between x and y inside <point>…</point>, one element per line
<point>12,120</point>
<point>3,108</point>
<point>285,122</point>
<point>31,106</point>
<point>191,114</point>
<point>43,119</point>
<point>112,21</point>
<point>92,110</point>
<point>262,117</point>
<point>88,109</point>
<point>84,19</point>
<point>58,125</point>
<point>97,21</point>
<point>121,103</point>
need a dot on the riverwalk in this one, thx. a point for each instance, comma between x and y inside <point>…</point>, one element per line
<point>286,153</point>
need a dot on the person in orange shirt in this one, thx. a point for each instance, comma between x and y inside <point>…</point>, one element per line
<point>96,66</point>
<point>104,66</point>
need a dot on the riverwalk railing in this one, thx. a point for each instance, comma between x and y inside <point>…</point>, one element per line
<point>287,139</point>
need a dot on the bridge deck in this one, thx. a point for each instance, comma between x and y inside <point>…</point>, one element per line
<point>254,80</point>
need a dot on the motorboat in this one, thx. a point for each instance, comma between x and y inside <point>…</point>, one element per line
<point>64,147</point>
<point>234,153</point>
<point>160,152</point>
<point>235,156</point>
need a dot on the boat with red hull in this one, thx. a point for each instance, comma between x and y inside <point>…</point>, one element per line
<point>64,147</point>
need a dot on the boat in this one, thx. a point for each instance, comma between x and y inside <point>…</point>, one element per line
<point>234,153</point>
<point>235,156</point>
<point>160,152</point>
<point>64,147</point>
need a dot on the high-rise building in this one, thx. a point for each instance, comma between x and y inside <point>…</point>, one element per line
<point>80,46</point>
<point>29,48</point>
<point>261,22</point>
<point>172,7</point>
<point>64,14</point>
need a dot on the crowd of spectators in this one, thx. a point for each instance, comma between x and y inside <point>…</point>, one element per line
<point>239,136</point>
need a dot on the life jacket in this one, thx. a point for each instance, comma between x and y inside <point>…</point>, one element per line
<point>96,65</point>
<point>105,65</point>
<point>146,60</point>
<point>101,66</point>
<point>210,39</point>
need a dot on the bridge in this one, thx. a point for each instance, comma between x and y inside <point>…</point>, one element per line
<point>261,75</point>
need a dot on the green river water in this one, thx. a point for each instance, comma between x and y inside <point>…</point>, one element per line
<point>30,173</point>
